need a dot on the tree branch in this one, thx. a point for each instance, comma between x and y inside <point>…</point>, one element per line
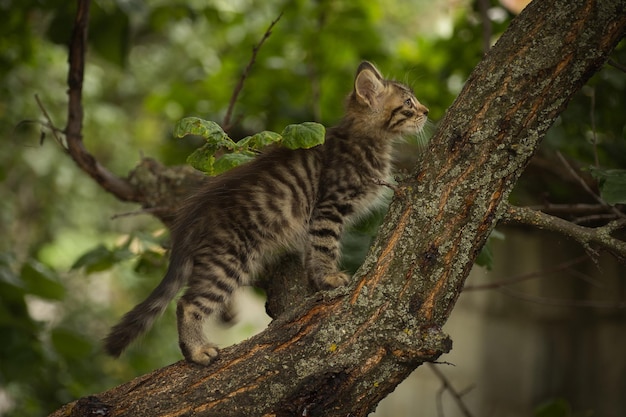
<point>600,236</point>
<point>73,131</point>
<point>244,74</point>
<point>446,385</point>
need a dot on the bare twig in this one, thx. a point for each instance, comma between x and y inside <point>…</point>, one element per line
<point>579,213</point>
<point>525,277</point>
<point>244,75</point>
<point>600,236</point>
<point>456,395</point>
<point>586,187</point>
<point>49,124</point>
<point>594,218</point>
<point>563,302</point>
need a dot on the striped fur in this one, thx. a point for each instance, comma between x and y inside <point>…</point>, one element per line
<point>298,199</point>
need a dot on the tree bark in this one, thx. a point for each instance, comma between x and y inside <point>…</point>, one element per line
<point>339,353</point>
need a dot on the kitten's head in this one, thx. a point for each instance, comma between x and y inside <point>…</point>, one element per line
<point>387,106</point>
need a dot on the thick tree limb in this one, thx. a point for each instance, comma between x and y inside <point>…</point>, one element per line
<point>340,353</point>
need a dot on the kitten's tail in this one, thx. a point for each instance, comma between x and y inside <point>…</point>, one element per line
<point>141,318</point>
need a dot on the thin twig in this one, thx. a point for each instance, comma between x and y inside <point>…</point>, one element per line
<point>244,75</point>
<point>600,236</point>
<point>50,125</point>
<point>447,386</point>
<point>525,277</point>
<point>594,218</point>
<point>563,302</point>
<point>586,187</point>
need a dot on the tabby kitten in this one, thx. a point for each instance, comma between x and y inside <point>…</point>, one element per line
<point>299,199</point>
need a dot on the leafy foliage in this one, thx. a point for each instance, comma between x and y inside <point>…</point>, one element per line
<point>304,135</point>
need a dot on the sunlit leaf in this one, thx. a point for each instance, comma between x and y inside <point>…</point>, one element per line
<point>229,161</point>
<point>209,130</point>
<point>202,159</point>
<point>304,135</point>
<point>260,140</point>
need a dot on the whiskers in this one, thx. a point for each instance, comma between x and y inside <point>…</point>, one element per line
<point>423,135</point>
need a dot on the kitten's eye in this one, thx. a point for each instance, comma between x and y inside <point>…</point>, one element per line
<point>408,102</point>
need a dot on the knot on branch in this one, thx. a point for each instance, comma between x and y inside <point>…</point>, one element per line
<point>164,188</point>
<point>427,345</point>
<point>89,406</point>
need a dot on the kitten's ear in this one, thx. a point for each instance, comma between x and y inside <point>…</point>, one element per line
<point>368,84</point>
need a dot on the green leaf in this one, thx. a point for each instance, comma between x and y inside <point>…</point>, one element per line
<point>229,161</point>
<point>260,140</point>
<point>41,281</point>
<point>209,130</point>
<point>304,135</point>
<point>612,184</point>
<point>70,344</point>
<point>101,259</point>
<point>202,159</point>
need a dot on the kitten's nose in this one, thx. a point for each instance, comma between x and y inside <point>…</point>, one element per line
<point>425,110</point>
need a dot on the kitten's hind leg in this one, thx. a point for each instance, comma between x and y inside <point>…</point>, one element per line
<point>228,315</point>
<point>191,339</point>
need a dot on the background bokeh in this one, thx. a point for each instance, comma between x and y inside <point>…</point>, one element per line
<point>71,263</point>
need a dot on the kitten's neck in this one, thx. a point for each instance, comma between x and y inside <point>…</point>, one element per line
<point>365,148</point>
<point>354,130</point>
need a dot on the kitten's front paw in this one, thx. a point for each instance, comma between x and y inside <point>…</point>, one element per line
<point>334,280</point>
<point>202,355</point>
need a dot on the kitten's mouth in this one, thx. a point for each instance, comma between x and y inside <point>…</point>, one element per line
<point>420,123</point>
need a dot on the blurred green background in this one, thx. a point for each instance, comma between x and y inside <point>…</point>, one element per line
<point>68,270</point>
